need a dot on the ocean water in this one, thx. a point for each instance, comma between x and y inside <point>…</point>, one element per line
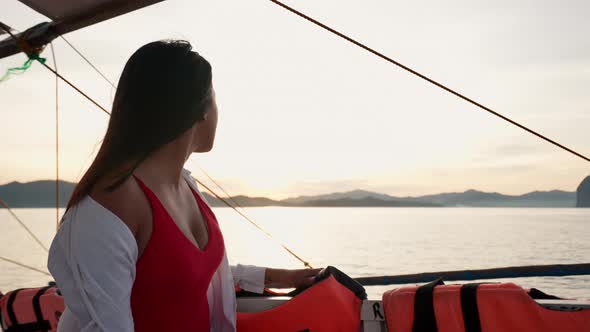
<point>364,241</point>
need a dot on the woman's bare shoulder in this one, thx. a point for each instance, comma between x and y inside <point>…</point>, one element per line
<point>127,202</point>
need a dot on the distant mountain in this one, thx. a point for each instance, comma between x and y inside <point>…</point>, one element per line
<point>357,198</point>
<point>470,198</point>
<point>242,201</point>
<point>36,193</point>
<point>554,198</point>
<point>583,193</point>
<point>42,194</point>
<point>355,194</point>
<point>365,202</point>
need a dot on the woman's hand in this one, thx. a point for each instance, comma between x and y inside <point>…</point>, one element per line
<point>282,278</point>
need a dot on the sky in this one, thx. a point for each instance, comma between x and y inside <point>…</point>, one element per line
<point>302,112</point>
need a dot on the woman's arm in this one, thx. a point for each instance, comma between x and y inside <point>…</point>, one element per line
<point>283,278</point>
<point>254,278</point>
<point>249,277</point>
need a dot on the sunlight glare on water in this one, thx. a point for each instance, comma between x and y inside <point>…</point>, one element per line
<point>366,241</point>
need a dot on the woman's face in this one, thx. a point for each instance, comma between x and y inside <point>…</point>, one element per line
<point>204,130</point>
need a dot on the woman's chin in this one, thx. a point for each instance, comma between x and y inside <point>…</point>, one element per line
<point>203,149</point>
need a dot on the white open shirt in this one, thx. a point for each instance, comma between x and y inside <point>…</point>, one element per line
<point>93,257</point>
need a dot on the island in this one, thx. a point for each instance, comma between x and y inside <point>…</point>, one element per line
<point>583,193</point>
<point>41,194</point>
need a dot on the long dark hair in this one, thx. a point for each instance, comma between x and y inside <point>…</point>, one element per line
<point>164,89</point>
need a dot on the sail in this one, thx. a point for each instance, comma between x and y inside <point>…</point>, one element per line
<point>67,16</point>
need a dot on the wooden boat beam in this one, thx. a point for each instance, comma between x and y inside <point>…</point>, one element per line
<point>43,33</point>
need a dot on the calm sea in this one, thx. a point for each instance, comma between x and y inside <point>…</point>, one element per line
<point>365,241</point>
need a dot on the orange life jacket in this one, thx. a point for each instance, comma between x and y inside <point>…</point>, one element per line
<point>475,307</point>
<point>326,306</point>
<point>31,309</point>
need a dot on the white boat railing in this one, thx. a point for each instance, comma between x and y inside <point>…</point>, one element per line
<point>372,315</point>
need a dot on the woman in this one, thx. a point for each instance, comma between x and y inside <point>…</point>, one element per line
<point>138,248</point>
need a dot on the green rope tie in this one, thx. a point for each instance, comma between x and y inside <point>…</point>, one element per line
<point>21,69</point>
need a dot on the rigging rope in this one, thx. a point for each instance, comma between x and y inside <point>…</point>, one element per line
<point>305,263</point>
<point>77,89</point>
<point>24,265</point>
<point>88,62</point>
<point>426,78</point>
<point>56,140</point>
<point>221,188</point>
<point>3,203</point>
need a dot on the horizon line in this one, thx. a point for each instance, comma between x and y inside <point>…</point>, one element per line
<point>344,192</point>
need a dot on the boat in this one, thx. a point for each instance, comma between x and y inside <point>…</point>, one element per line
<point>68,16</point>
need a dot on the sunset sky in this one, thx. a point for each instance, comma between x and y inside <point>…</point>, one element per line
<point>304,112</point>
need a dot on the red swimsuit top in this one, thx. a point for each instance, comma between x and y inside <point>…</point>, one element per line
<point>172,275</point>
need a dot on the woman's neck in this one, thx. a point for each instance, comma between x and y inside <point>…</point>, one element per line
<point>163,169</point>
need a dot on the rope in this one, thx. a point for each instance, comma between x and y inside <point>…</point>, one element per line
<point>77,89</point>
<point>24,46</point>
<point>305,263</point>
<point>555,270</point>
<point>56,140</point>
<point>88,62</point>
<point>24,265</point>
<point>424,77</point>
<point>220,187</point>
<point>3,203</point>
